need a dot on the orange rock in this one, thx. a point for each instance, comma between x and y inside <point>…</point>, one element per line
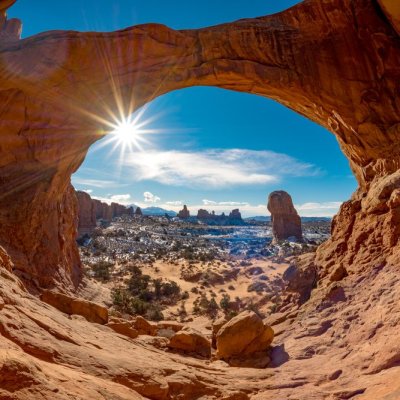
<point>243,335</point>
<point>70,305</point>
<point>286,222</point>
<point>190,341</point>
<point>216,326</point>
<point>124,328</point>
<point>144,327</point>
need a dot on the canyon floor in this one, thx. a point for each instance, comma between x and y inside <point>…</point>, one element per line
<point>340,344</point>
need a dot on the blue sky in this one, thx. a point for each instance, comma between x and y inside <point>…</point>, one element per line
<point>215,149</point>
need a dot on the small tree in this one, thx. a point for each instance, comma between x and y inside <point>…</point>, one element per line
<point>212,308</point>
<point>225,302</point>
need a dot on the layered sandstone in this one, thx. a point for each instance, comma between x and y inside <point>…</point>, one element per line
<point>87,221</point>
<point>286,223</point>
<point>90,210</point>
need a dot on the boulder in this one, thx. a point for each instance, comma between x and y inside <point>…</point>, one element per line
<point>216,326</point>
<point>144,327</point>
<point>123,327</point>
<point>286,223</point>
<point>242,337</point>
<point>190,341</point>
<point>71,305</point>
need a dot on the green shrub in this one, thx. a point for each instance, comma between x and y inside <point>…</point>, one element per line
<point>101,270</point>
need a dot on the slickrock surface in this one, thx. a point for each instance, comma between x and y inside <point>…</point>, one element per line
<point>343,342</point>
<point>286,223</point>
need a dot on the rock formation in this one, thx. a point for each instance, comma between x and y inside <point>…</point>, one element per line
<point>138,212</point>
<point>340,69</point>
<point>90,210</point>
<point>234,218</point>
<point>87,215</point>
<point>10,30</point>
<point>184,213</point>
<point>286,223</point>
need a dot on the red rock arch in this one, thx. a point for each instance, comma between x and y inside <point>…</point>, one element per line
<point>337,62</point>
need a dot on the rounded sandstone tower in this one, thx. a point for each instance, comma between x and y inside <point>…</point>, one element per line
<point>286,223</point>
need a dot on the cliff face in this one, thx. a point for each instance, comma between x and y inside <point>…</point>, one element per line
<point>90,210</point>
<point>336,62</point>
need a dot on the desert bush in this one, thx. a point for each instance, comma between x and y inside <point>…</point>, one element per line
<point>101,270</point>
<point>225,303</point>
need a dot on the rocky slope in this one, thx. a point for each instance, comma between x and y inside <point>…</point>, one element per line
<point>342,344</point>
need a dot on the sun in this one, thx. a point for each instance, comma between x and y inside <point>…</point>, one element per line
<point>127,133</point>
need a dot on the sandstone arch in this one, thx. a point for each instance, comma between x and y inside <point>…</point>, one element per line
<point>335,61</point>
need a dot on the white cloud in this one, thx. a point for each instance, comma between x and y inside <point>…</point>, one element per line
<point>120,197</point>
<point>209,202</point>
<point>150,197</point>
<point>174,203</point>
<point>325,209</point>
<point>224,203</point>
<point>216,168</point>
<point>97,183</point>
<point>88,191</point>
<point>124,199</point>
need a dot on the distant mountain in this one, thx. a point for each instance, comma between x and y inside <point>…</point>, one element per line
<point>315,219</point>
<point>259,218</point>
<point>158,211</point>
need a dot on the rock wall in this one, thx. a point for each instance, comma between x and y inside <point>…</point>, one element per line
<point>90,210</point>
<point>286,223</point>
<point>86,214</point>
<point>336,62</point>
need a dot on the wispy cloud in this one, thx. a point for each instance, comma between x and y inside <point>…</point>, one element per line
<point>325,209</point>
<point>150,197</point>
<point>174,203</point>
<point>224,203</point>
<point>216,168</point>
<point>120,198</point>
<point>96,183</point>
<point>124,199</point>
